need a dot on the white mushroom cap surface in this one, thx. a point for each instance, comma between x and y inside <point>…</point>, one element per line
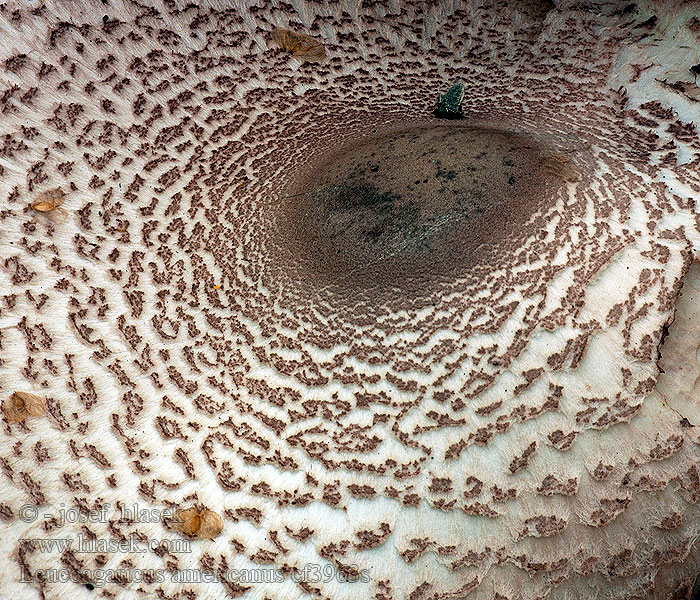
<point>461,387</point>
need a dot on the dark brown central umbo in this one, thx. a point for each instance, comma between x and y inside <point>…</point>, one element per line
<point>410,205</point>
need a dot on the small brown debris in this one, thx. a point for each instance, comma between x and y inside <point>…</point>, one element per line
<point>49,200</point>
<point>205,524</point>
<point>20,405</point>
<point>187,521</point>
<point>560,166</point>
<point>211,525</point>
<point>299,45</point>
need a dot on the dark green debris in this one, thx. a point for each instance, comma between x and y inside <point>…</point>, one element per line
<point>449,105</point>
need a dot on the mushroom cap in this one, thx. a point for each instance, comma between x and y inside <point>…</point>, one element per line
<point>477,412</point>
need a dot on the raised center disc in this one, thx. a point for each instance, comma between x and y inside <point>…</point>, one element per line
<point>413,203</point>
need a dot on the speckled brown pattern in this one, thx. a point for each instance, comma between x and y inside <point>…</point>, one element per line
<point>494,432</point>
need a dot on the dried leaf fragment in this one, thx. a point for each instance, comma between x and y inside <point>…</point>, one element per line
<point>299,45</point>
<point>187,521</point>
<point>211,525</point>
<point>560,166</point>
<point>49,200</point>
<point>20,405</point>
<point>205,524</point>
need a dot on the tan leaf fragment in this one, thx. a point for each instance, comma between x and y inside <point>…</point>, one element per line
<point>20,405</point>
<point>299,45</point>
<point>211,525</point>
<point>560,166</point>
<point>49,200</point>
<point>205,524</point>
